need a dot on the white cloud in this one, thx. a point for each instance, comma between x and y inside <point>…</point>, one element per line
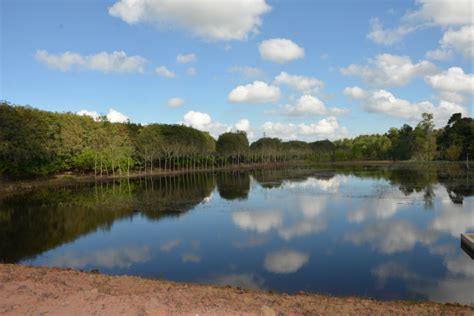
<point>175,102</point>
<point>184,59</point>
<point>310,105</point>
<point>439,54</point>
<point>209,19</point>
<point>381,35</point>
<point>280,50</point>
<point>260,221</point>
<point>355,92</point>
<point>443,13</point>
<point>93,114</point>
<point>203,122</point>
<point>115,62</point>
<point>246,71</point>
<point>257,92</point>
<point>452,80</point>
<point>302,84</point>
<point>285,261</point>
<point>325,128</point>
<point>191,71</point>
<point>461,41</point>
<point>197,120</point>
<point>390,70</point>
<point>116,117</point>
<point>382,101</point>
<point>165,72</point>
<point>242,125</point>
<point>113,116</point>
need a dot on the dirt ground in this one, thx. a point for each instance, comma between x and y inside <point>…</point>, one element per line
<point>33,290</point>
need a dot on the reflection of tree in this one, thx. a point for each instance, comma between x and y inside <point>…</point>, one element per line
<point>38,221</point>
<point>233,185</point>
<point>418,177</point>
<point>274,178</point>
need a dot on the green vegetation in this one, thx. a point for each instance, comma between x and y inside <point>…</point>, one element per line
<point>35,142</point>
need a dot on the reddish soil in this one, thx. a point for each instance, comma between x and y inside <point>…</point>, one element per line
<point>32,290</point>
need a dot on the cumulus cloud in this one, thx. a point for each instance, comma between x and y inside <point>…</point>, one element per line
<point>280,50</point>
<point>165,72</point>
<point>355,92</point>
<point>327,128</point>
<point>460,41</point>
<point>302,84</point>
<point>116,117</point>
<point>95,115</point>
<point>442,13</point>
<point>115,62</point>
<point>187,58</point>
<point>386,36</point>
<point>260,221</point>
<point>197,119</point>
<point>310,105</point>
<point>452,80</point>
<point>203,122</point>
<point>175,102</point>
<point>382,101</point>
<point>209,19</point>
<point>242,125</point>
<point>390,70</point>
<point>285,261</point>
<point>256,92</point>
<point>112,116</point>
<point>247,71</point>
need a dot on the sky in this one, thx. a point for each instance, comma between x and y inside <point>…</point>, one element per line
<point>306,70</point>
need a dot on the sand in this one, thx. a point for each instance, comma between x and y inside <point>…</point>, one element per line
<point>52,291</point>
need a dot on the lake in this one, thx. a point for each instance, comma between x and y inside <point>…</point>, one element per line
<point>386,232</point>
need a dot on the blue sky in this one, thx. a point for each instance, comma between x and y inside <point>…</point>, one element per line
<point>291,69</point>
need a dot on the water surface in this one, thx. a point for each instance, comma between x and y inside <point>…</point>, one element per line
<point>382,232</point>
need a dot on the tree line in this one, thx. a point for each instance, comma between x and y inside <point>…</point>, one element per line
<point>35,142</point>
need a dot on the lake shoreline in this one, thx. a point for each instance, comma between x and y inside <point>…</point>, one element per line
<point>68,179</point>
<point>28,290</point>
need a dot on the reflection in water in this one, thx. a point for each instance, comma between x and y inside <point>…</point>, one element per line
<point>344,230</point>
<point>106,258</point>
<point>285,261</point>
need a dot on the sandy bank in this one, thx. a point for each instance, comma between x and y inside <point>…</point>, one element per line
<point>32,290</point>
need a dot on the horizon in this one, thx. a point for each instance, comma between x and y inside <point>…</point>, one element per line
<point>274,68</point>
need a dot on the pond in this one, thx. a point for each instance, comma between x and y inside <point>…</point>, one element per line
<point>386,232</point>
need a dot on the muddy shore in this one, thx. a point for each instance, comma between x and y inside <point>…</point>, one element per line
<point>36,290</point>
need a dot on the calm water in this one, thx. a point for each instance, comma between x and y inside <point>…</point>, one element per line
<point>380,232</point>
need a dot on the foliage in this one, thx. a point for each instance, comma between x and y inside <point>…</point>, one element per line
<point>35,143</point>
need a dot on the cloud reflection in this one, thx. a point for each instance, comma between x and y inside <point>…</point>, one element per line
<point>260,221</point>
<point>107,258</point>
<point>285,261</point>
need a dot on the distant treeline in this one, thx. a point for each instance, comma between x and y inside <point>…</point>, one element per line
<point>35,142</point>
